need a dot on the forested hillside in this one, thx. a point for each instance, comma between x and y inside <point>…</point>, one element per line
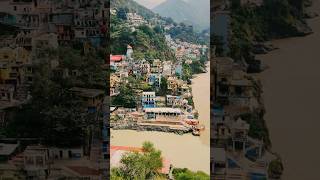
<point>274,19</point>
<point>147,42</point>
<point>132,6</point>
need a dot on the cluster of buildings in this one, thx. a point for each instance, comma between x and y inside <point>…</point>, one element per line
<point>236,154</point>
<point>40,162</point>
<point>174,105</point>
<point>43,24</point>
<point>186,51</point>
<point>168,100</point>
<point>134,20</point>
<point>70,20</point>
<point>38,25</point>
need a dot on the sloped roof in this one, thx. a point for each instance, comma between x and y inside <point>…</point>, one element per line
<point>116,58</point>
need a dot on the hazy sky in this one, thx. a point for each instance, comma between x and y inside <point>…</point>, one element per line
<point>150,3</point>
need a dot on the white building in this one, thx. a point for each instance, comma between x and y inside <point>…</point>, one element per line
<point>135,19</point>
<point>170,100</point>
<point>154,113</point>
<point>129,52</point>
<point>148,99</point>
<point>167,68</point>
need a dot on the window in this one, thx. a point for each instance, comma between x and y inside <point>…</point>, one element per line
<point>15,8</point>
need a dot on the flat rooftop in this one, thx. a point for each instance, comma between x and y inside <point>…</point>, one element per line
<point>163,110</point>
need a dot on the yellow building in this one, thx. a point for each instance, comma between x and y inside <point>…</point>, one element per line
<point>177,86</point>
<point>114,85</point>
<point>13,63</point>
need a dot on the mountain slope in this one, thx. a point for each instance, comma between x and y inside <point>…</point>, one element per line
<point>148,42</point>
<point>132,6</point>
<point>195,12</point>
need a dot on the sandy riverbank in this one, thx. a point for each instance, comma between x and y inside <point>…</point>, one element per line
<point>291,95</point>
<point>182,150</point>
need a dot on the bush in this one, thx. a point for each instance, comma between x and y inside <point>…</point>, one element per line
<point>275,168</point>
<point>186,174</point>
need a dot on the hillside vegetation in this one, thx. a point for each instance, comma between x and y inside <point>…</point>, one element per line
<point>147,42</point>
<point>132,6</point>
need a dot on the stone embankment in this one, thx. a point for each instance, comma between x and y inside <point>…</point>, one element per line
<point>150,127</point>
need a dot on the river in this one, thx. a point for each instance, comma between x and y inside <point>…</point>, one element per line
<point>184,151</point>
<point>292,96</point>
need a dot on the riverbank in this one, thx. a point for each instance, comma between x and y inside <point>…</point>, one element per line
<point>291,97</point>
<point>201,97</point>
<point>184,151</point>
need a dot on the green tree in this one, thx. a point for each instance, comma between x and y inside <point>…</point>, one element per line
<point>139,166</point>
<point>275,168</point>
<point>122,13</point>
<point>126,98</point>
<point>163,87</point>
<point>186,71</point>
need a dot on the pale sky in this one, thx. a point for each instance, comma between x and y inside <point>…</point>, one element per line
<point>150,3</point>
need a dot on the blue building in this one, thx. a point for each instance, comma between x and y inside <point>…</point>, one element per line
<point>9,19</point>
<point>154,80</point>
<point>148,100</point>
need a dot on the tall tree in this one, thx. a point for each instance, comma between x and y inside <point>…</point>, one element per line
<point>139,166</point>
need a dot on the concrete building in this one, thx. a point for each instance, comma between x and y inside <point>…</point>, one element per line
<point>154,113</point>
<point>148,100</point>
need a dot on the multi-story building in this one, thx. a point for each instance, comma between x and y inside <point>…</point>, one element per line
<point>148,99</point>
<point>154,80</point>
<point>167,68</point>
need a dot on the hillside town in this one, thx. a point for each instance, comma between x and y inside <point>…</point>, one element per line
<point>163,98</point>
<point>149,93</point>
<point>33,32</point>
